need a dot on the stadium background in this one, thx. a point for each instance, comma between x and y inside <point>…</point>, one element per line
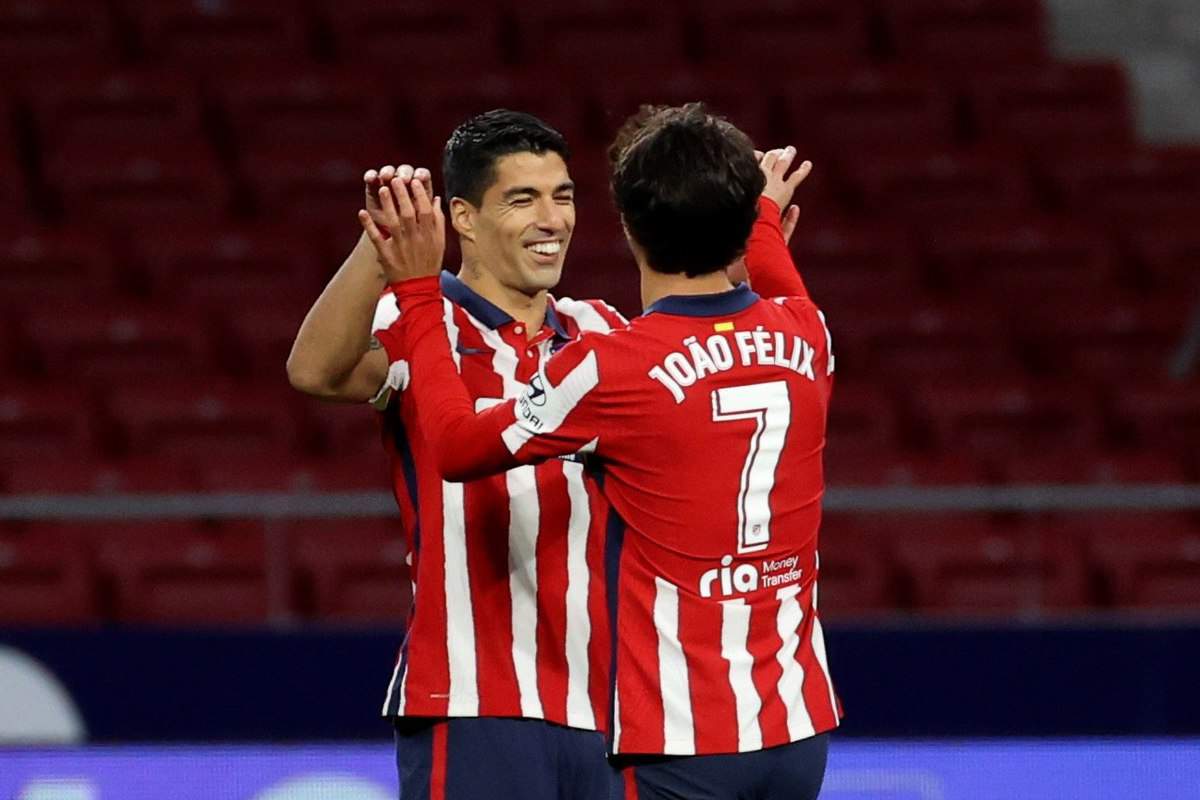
<point>1001,226</point>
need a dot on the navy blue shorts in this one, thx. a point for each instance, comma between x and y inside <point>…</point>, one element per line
<point>788,772</point>
<point>499,758</point>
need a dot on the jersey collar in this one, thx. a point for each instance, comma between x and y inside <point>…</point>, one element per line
<point>488,312</point>
<point>721,304</point>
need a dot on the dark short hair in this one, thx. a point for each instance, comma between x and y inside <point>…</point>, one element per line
<point>469,158</point>
<point>687,185</point>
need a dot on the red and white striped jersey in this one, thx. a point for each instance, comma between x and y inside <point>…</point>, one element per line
<point>508,615</point>
<point>706,417</point>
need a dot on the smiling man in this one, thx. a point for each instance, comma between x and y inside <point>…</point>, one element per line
<point>495,693</point>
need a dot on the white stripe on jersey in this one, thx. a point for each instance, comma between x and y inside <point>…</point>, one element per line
<point>523,520</point>
<point>579,622</point>
<point>559,402</point>
<point>452,331</point>
<point>735,632</point>
<point>460,618</point>
<point>828,343</point>
<point>616,711</point>
<point>818,644</point>
<point>387,701</point>
<point>585,314</point>
<point>679,734</point>
<point>791,682</point>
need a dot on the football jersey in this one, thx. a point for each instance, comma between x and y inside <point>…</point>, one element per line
<point>508,615</point>
<point>706,419</point>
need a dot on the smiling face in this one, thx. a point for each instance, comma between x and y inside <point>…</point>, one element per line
<point>522,227</point>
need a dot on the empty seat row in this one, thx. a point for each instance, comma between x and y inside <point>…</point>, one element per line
<point>210,35</point>
<point>358,570</point>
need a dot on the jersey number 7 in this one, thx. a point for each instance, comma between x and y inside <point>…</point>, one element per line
<point>770,407</point>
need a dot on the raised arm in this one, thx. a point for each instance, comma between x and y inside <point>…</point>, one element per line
<point>334,356</point>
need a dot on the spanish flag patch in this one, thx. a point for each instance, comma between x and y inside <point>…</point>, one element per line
<point>721,327</point>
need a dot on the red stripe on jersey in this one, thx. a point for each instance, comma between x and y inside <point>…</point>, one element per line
<point>764,643</point>
<point>816,682</point>
<point>697,624</point>
<point>638,677</point>
<point>552,594</point>
<point>600,644</point>
<point>631,792</point>
<point>437,771</point>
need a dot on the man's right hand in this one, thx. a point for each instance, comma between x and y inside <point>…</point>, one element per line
<point>780,186</point>
<point>415,239</point>
<point>374,179</point>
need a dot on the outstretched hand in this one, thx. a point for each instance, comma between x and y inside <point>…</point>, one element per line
<point>780,186</point>
<point>406,226</point>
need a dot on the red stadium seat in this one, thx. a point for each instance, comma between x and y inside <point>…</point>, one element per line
<point>856,576</point>
<point>40,264</point>
<point>220,35</point>
<point>1164,416</point>
<point>435,37</point>
<point>994,417</point>
<point>909,111</point>
<point>862,419</point>
<point>362,471</point>
<point>204,419</point>
<point>40,422</point>
<point>298,185</point>
<point>44,34</point>
<point>968,565</point>
<point>255,340</point>
<point>726,96</point>
<point>1056,104</point>
<point>891,468</point>
<point>847,263</point>
<point>78,475</point>
<point>940,186</point>
<point>45,579</point>
<point>1148,561</point>
<point>113,107</point>
<point>1018,256</point>
<point>135,183</point>
<point>608,35</point>
<point>1116,340</point>
<point>14,195</point>
<point>814,34</point>
<point>192,576</point>
<point>353,570</point>
<point>1151,184</point>
<point>323,110</point>
<point>214,267</point>
<point>106,344</point>
<point>1091,466</point>
<point>967,34</point>
<point>445,102</point>
<point>1166,256</point>
<point>344,428</point>
<point>921,340</point>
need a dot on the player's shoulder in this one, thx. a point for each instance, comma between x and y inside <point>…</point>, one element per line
<point>590,315</point>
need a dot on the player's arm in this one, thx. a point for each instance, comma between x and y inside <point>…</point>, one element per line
<point>772,271</point>
<point>335,356</point>
<point>468,445</point>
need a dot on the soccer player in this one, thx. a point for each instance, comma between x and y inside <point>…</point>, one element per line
<point>706,418</point>
<point>494,693</point>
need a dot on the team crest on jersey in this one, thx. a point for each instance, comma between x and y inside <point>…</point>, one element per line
<point>537,391</point>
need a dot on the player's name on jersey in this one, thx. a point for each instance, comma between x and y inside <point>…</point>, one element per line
<point>695,360</point>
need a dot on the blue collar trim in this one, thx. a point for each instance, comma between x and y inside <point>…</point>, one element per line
<point>706,305</point>
<point>488,312</point>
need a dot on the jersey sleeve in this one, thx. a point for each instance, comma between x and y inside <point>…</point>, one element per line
<point>385,329</point>
<point>768,261</point>
<point>551,418</point>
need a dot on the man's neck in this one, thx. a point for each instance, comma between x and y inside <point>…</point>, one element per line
<point>528,309</point>
<point>657,285</point>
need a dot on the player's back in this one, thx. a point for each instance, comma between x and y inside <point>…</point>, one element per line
<point>714,412</point>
